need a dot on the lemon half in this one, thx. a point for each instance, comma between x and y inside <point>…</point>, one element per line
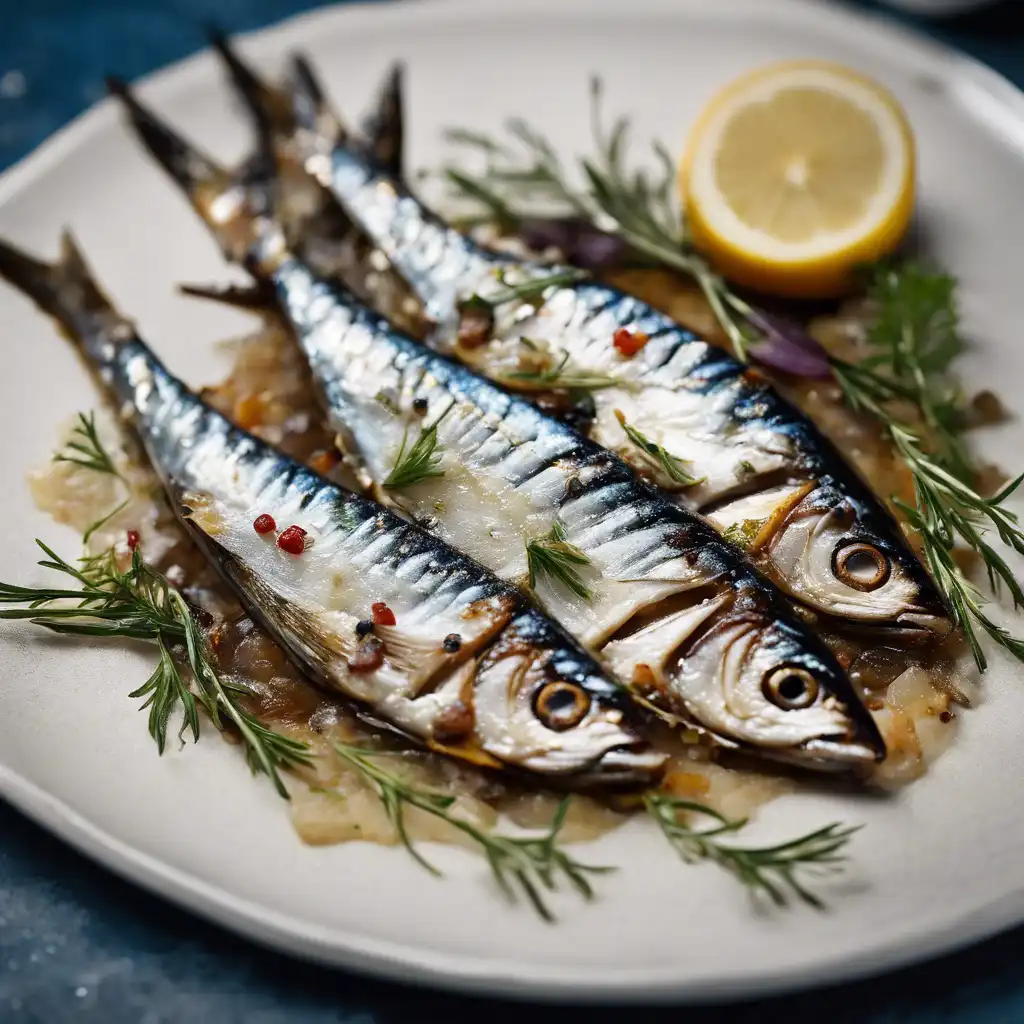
<point>795,174</point>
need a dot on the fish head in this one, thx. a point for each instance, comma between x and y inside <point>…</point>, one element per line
<point>850,562</point>
<point>542,706</point>
<point>757,681</point>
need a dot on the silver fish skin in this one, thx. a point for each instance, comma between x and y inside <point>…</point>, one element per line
<point>765,474</point>
<point>675,611</point>
<point>468,668</point>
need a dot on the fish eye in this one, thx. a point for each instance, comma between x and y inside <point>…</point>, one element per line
<point>790,688</point>
<point>861,566</point>
<point>561,705</point>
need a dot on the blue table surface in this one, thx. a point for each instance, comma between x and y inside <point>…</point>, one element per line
<point>77,943</point>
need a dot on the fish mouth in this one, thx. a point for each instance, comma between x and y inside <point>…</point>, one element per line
<point>627,766</point>
<point>838,754</point>
<point>937,624</point>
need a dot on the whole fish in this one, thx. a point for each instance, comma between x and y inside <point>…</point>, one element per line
<point>696,421</point>
<point>675,611</point>
<point>451,656</point>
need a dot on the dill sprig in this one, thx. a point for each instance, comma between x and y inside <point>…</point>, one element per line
<point>913,340</point>
<point>422,459</point>
<point>140,604</point>
<point>771,871</point>
<point>562,376</point>
<point>86,449</point>
<point>552,555</point>
<point>672,466</point>
<point>531,865</point>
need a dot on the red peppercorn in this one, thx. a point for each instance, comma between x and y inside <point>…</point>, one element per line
<point>368,657</point>
<point>627,343</point>
<point>133,539</point>
<point>382,614</point>
<point>264,524</point>
<point>292,540</point>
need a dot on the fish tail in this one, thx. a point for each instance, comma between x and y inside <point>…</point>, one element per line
<point>384,126</point>
<point>269,109</point>
<point>237,216</point>
<point>253,298</point>
<point>310,106</point>
<point>65,290</point>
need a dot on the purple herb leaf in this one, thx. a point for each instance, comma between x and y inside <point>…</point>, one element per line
<point>579,242</point>
<point>786,346</point>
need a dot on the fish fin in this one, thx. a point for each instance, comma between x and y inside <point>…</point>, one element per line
<point>65,290</point>
<point>312,111</point>
<point>195,172</point>
<point>236,216</point>
<point>269,109</point>
<point>254,298</point>
<point>383,128</point>
<point>265,103</point>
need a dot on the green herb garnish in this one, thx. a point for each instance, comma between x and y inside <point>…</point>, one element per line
<point>561,376</point>
<point>529,865</point>
<point>767,870</point>
<point>913,341</point>
<point>743,533</point>
<point>552,555</point>
<point>388,402</point>
<point>421,461</point>
<point>526,291</point>
<point>140,604</point>
<point>86,449</point>
<point>674,468</point>
<point>634,206</point>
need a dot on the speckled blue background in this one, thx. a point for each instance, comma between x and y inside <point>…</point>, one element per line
<point>76,943</point>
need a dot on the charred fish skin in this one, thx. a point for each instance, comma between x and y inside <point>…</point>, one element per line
<point>832,546</point>
<point>658,576</point>
<point>468,667</point>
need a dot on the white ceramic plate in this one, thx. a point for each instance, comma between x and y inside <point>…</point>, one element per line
<point>934,868</point>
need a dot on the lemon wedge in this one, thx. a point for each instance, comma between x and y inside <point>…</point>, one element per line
<point>795,174</point>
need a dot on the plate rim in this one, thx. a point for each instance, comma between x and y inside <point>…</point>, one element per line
<point>417,963</point>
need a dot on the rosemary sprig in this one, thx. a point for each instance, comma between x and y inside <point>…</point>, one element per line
<point>914,339</point>
<point>86,449</point>
<point>673,467</point>
<point>634,206</point>
<point>140,604</point>
<point>421,461</point>
<point>769,870</point>
<point>562,376</point>
<point>552,555</point>
<point>530,865</point>
<point>527,291</point>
